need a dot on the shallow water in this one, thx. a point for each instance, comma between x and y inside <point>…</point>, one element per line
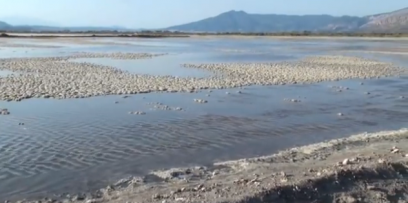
<point>4,73</point>
<point>77,145</point>
<point>164,65</point>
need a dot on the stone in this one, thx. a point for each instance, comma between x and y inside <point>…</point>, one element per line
<point>346,162</point>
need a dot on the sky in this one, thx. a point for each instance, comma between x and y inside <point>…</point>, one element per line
<point>165,13</point>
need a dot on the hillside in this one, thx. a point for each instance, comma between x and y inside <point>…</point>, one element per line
<point>240,21</point>
<point>4,25</point>
<point>37,28</point>
<point>396,21</point>
<point>22,20</point>
<point>42,28</point>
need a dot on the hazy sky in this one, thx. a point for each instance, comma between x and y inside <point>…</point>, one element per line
<point>163,13</point>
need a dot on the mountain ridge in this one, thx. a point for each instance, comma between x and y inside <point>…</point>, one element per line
<point>240,21</point>
<point>4,25</point>
<point>43,28</point>
<point>396,21</point>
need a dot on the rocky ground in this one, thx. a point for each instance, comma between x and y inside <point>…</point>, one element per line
<point>361,168</point>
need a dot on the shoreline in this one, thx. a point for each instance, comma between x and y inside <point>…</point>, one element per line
<point>360,164</point>
<point>68,35</point>
<point>53,35</point>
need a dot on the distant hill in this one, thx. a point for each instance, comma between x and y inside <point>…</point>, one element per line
<point>240,21</point>
<point>396,21</point>
<point>41,28</point>
<point>38,28</point>
<point>4,25</point>
<point>21,20</point>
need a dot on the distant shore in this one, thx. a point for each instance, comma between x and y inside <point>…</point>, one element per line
<point>44,35</point>
<point>85,35</point>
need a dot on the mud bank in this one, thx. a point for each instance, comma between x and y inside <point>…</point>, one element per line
<point>57,77</point>
<point>361,168</point>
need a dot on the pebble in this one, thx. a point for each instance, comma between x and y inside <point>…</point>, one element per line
<point>137,112</point>
<point>394,150</point>
<point>284,180</point>
<point>78,198</point>
<point>350,199</point>
<point>214,173</point>
<point>4,112</point>
<point>160,106</point>
<point>156,196</point>
<point>346,162</point>
<point>200,101</point>
<point>282,173</point>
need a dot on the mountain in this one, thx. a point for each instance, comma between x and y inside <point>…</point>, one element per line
<point>21,20</point>
<point>38,28</point>
<point>24,24</point>
<point>4,25</point>
<point>396,21</point>
<point>240,21</point>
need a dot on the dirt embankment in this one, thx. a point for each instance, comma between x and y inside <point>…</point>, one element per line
<point>362,168</point>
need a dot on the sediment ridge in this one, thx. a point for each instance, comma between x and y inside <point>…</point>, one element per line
<point>60,78</point>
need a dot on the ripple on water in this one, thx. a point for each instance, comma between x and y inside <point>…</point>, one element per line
<point>68,145</point>
<point>65,137</point>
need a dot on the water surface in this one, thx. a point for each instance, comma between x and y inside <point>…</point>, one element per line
<point>83,144</point>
